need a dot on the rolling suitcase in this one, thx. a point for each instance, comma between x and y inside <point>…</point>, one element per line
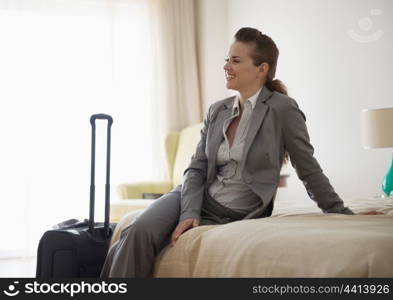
<point>79,248</point>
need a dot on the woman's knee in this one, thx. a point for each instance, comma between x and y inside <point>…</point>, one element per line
<point>152,230</point>
<point>158,220</point>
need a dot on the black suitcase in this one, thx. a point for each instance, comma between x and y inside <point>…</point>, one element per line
<point>78,249</point>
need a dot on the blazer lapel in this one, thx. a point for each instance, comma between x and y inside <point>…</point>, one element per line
<point>216,137</point>
<point>257,117</point>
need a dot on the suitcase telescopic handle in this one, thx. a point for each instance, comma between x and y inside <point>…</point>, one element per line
<point>93,119</point>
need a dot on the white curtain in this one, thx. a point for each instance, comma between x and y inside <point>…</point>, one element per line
<point>60,62</point>
<point>174,30</point>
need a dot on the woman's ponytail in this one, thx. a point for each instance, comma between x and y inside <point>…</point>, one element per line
<point>278,86</point>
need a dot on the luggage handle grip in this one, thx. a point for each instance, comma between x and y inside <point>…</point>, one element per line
<point>93,118</point>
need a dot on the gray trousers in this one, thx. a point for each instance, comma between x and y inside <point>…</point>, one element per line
<point>133,255</point>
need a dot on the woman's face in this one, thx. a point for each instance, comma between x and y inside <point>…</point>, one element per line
<point>240,72</point>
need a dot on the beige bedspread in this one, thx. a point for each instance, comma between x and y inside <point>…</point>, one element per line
<point>297,241</point>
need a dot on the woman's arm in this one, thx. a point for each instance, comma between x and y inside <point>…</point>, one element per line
<point>297,143</point>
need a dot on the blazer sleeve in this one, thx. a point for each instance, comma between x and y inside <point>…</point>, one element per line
<point>297,143</point>
<point>194,178</point>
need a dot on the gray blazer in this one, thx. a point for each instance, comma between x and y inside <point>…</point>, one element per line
<point>277,125</point>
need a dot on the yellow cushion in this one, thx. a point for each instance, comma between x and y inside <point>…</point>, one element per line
<point>188,140</point>
<point>171,142</point>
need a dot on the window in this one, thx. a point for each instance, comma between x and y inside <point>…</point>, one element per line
<point>62,61</point>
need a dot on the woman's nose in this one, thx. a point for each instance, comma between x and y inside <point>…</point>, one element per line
<point>226,66</point>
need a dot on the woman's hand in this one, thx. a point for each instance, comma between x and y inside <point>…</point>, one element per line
<point>182,227</point>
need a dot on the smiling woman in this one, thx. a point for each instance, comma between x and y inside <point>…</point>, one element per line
<point>62,61</point>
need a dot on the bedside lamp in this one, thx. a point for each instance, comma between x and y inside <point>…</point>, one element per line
<point>377,132</point>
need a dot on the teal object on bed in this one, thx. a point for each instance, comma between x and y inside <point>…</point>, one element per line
<point>387,184</point>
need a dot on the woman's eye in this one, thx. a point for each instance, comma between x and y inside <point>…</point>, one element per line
<point>233,60</point>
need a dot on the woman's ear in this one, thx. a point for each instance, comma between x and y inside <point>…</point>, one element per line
<point>264,69</point>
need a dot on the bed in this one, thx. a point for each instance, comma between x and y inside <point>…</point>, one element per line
<point>298,240</point>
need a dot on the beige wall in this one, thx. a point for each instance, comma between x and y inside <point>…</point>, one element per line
<point>212,31</point>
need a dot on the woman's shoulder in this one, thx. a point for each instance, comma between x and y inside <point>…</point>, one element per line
<point>283,104</point>
<point>279,100</point>
<point>224,103</point>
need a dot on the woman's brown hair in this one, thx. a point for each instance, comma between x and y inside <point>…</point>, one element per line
<point>265,51</point>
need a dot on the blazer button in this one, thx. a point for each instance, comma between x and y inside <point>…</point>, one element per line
<point>248,179</point>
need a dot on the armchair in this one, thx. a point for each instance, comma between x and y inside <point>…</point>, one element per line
<point>179,148</point>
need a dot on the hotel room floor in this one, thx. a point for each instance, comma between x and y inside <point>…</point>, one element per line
<point>18,267</point>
